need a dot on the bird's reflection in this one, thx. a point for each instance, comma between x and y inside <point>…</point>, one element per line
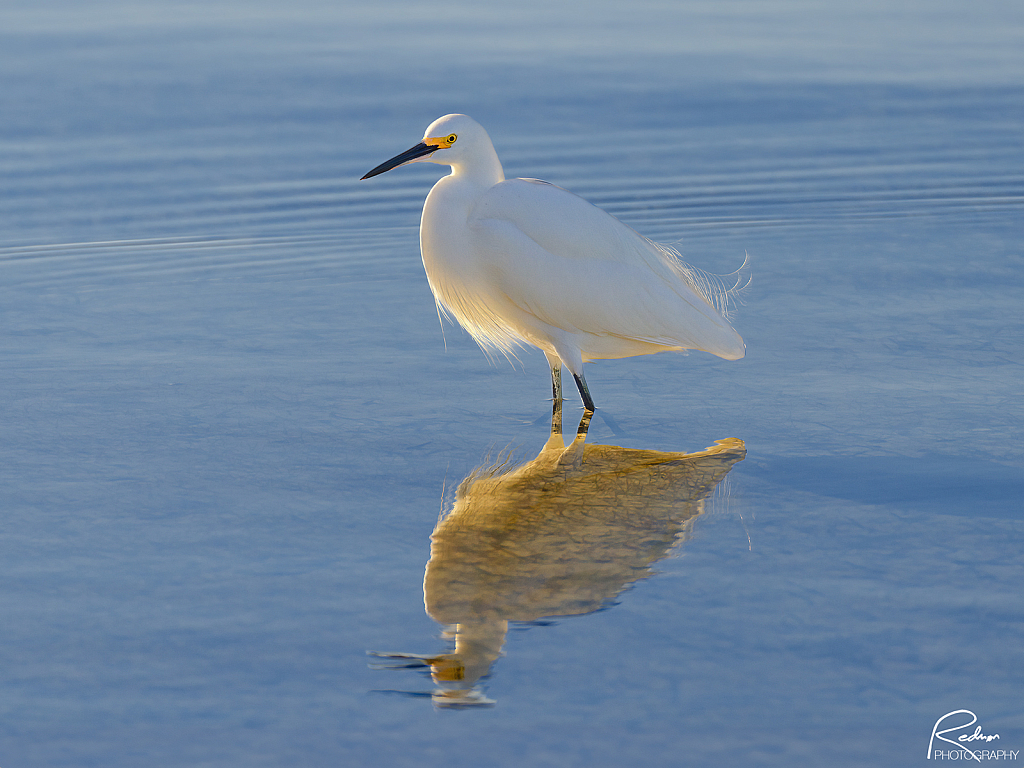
<point>560,535</point>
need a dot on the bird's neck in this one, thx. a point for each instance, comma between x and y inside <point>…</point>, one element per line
<point>454,195</point>
<point>485,171</point>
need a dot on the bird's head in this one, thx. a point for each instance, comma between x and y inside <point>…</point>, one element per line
<point>449,140</point>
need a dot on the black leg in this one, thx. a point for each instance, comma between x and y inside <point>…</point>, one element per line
<point>556,382</point>
<point>556,400</point>
<point>581,385</point>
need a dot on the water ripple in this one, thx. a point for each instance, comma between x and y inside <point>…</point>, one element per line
<point>350,255</point>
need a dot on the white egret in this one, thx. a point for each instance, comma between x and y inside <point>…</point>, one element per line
<point>521,261</point>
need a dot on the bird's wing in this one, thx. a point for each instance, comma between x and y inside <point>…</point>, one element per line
<point>557,220</point>
<point>577,268</point>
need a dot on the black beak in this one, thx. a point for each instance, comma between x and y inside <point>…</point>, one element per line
<point>412,153</point>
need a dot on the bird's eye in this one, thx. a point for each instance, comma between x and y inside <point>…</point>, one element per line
<point>452,138</point>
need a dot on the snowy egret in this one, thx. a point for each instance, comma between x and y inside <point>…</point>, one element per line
<point>521,261</point>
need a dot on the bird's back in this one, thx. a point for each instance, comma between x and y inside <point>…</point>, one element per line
<point>575,267</point>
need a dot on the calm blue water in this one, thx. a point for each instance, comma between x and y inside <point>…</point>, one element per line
<point>230,420</point>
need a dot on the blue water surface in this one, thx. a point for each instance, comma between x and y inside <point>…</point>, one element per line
<point>231,420</point>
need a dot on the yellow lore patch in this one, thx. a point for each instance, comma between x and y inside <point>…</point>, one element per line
<point>441,142</point>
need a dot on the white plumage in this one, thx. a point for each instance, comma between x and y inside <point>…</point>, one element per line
<point>523,261</point>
